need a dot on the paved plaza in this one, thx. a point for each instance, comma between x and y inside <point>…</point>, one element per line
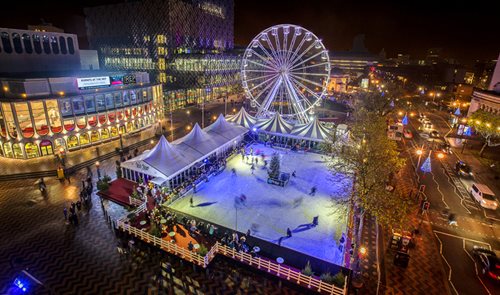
<point>269,209</point>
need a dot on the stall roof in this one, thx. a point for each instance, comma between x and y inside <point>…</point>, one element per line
<point>275,125</point>
<point>242,118</point>
<point>225,129</point>
<point>312,130</point>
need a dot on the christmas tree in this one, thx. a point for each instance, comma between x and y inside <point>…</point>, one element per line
<point>274,167</point>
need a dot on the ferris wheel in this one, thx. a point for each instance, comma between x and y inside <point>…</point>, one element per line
<point>285,69</point>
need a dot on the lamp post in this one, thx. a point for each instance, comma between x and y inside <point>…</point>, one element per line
<point>61,156</point>
<point>98,165</point>
<point>419,153</point>
<point>171,123</point>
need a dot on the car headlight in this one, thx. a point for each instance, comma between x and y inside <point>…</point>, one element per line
<point>483,202</point>
<point>471,173</point>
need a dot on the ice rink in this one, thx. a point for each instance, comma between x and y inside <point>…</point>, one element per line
<point>269,209</point>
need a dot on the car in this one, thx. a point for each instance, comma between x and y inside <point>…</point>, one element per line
<point>426,121</point>
<point>488,262</point>
<point>427,126</point>
<point>434,133</point>
<point>407,134</point>
<point>445,148</point>
<point>424,135</point>
<point>484,195</point>
<point>462,169</point>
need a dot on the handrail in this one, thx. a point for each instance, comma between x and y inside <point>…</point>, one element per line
<point>277,269</point>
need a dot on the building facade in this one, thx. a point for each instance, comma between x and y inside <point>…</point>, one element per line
<point>45,116</point>
<point>24,51</point>
<point>183,44</point>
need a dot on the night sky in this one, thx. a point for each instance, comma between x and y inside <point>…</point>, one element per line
<point>465,30</point>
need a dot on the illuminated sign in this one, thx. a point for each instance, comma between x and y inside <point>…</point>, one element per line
<point>123,79</point>
<point>92,82</point>
<point>212,9</point>
<point>364,83</point>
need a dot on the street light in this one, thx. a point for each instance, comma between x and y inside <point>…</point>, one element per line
<point>419,153</point>
<point>97,165</point>
<point>440,155</point>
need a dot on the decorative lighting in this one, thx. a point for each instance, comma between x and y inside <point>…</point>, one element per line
<point>440,155</point>
<point>419,152</point>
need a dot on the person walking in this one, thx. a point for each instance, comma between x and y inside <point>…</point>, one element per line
<point>190,246</point>
<point>79,205</point>
<point>252,168</point>
<point>313,191</point>
<point>65,211</point>
<point>293,173</point>
<point>315,220</point>
<point>288,233</point>
<point>191,201</point>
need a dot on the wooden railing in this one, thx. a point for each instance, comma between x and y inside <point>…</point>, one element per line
<point>274,268</point>
<point>134,201</point>
<point>282,271</point>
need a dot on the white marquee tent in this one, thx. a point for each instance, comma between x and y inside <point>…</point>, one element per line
<point>242,118</point>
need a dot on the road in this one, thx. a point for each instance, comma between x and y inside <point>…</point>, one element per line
<point>449,193</point>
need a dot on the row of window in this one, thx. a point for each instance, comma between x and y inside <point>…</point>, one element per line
<point>46,147</point>
<point>46,117</point>
<point>28,44</point>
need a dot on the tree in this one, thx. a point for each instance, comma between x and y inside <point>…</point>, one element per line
<point>488,125</point>
<point>274,167</point>
<point>370,159</point>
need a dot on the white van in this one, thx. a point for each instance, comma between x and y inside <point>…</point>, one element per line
<point>484,196</point>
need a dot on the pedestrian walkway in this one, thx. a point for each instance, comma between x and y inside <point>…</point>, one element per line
<point>16,166</point>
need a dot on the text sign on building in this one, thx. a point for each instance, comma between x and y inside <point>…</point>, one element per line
<point>92,82</point>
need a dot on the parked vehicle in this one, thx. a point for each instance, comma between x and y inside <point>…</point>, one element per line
<point>407,134</point>
<point>483,194</point>
<point>488,262</point>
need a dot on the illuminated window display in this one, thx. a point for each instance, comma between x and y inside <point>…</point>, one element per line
<point>43,126</point>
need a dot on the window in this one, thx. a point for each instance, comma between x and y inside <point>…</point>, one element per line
<point>46,147</point>
<point>475,188</point>
<point>127,113</point>
<point>130,126</point>
<point>114,131</point>
<point>104,134</point>
<point>60,144</point>
<point>138,94</point>
<point>126,101</point>
<point>38,112</point>
<point>78,105</point>
<point>134,112</point>
<point>55,46</point>
<point>102,119</point>
<point>54,117</point>
<point>37,44</point>
<point>3,131</point>
<point>7,47</point>
<point>92,121</point>
<point>62,43</point>
<point>84,139</point>
<point>65,105</point>
<point>118,99</point>
<point>24,119</point>
<point>7,148</point>
<point>9,119</point>
<point>31,150</point>
<point>71,46</point>
<point>27,44</point>
<point>99,100</point>
<point>18,152</point>
<point>120,115</point>
<point>69,124</point>
<point>16,39</point>
<point>81,122</point>
<point>90,104</point>
<point>46,44</point>
<point>133,97</point>
<point>73,141</point>
<point>109,101</point>
<point>94,136</point>
<point>111,117</point>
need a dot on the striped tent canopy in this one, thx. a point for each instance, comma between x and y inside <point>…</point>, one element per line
<point>275,125</point>
<point>312,131</point>
<point>242,118</point>
<point>225,129</point>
